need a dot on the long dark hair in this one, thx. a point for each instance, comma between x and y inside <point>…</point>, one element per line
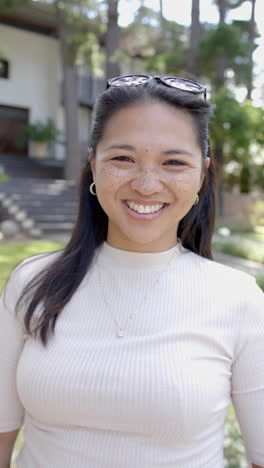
<point>55,284</point>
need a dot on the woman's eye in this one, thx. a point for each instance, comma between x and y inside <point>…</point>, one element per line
<point>122,158</point>
<point>174,162</point>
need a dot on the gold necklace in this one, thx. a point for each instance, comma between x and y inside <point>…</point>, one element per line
<point>120,333</point>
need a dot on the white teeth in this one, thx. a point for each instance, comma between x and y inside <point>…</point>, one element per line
<point>144,209</point>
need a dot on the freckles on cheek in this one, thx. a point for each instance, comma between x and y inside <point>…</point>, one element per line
<point>110,176</point>
<point>186,182</point>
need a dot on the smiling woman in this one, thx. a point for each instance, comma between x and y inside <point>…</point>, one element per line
<point>148,167</point>
<point>153,339</point>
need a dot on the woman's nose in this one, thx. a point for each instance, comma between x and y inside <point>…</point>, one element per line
<point>147,183</point>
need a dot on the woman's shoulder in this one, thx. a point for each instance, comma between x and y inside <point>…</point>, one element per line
<point>221,273</point>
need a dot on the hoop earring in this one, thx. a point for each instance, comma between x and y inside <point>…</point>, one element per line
<point>91,188</point>
<point>197,199</point>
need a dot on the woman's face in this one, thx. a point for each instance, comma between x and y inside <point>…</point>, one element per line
<point>147,172</point>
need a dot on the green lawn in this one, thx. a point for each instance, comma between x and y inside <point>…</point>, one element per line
<point>240,246</point>
<point>12,253</point>
<point>257,236</point>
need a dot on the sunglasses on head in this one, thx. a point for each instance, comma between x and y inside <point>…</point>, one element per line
<point>172,81</point>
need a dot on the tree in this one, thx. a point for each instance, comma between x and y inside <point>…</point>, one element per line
<point>12,3</point>
<point>195,34</point>
<point>77,35</point>
<point>251,39</point>
<point>112,40</point>
<point>142,41</point>
<point>222,48</point>
<point>240,127</point>
<point>161,18</point>
<point>73,162</point>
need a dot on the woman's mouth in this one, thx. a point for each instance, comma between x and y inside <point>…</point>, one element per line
<point>139,211</point>
<point>145,208</point>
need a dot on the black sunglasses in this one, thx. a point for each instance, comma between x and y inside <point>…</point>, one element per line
<point>172,81</point>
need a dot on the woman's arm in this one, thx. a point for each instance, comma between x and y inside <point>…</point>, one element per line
<point>7,441</point>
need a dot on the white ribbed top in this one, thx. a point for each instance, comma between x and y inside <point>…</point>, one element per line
<point>158,396</point>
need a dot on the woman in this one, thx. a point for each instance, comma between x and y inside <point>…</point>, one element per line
<point>128,346</point>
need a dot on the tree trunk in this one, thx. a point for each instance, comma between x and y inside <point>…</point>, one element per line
<point>73,157</point>
<point>222,6</point>
<point>251,39</point>
<point>162,22</point>
<point>222,62</point>
<point>219,145</point>
<point>194,38</point>
<point>112,40</point>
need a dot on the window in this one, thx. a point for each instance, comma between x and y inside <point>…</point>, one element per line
<point>4,69</point>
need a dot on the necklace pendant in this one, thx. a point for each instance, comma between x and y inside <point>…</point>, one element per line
<point>120,332</point>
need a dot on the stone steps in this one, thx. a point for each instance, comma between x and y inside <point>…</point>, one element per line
<point>42,208</point>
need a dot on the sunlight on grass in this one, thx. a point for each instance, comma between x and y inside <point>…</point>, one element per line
<point>11,254</point>
<point>240,246</point>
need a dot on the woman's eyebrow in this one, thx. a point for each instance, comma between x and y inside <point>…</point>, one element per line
<point>121,146</point>
<point>170,152</point>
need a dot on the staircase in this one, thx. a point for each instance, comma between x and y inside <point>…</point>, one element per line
<point>42,203</point>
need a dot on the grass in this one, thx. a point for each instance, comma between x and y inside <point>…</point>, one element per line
<point>244,242</point>
<point>12,253</point>
<point>4,178</point>
<point>240,246</point>
<point>255,236</point>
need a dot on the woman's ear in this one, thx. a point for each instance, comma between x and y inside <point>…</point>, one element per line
<point>207,162</point>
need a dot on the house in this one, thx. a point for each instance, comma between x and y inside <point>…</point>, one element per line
<point>30,80</point>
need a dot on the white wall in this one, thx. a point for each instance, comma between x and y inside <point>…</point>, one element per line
<point>35,76</point>
<point>34,68</point>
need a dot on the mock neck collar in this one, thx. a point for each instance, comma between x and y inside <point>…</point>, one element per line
<point>118,257</point>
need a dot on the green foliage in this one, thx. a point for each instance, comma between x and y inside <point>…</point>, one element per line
<point>245,178</point>
<point>88,51</point>
<point>257,214</point>
<point>159,54</point>
<point>87,25</point>
<point>224,40</point>
<point>4,4</point>
<point>4,178</point>
<point>241,128</point>
<point>234,450</point>
<point>229,119</point>
<point>41,131</point>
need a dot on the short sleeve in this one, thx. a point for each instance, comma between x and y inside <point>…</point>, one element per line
<point>11,344</point>
<point>248,374</point>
